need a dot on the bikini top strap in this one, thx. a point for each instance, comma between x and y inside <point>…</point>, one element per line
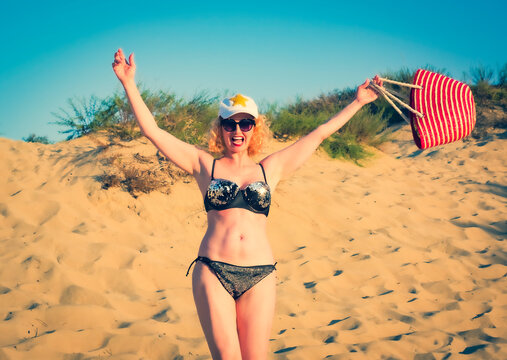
<point>263,173</point>
<point>213,169</point>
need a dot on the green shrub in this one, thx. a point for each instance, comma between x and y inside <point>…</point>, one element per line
<point>364,128</point>
<point>346,147</point>
<point>81,118</point>
<point>38,139</point>
<point>286,124</point>
<point>481,74</point>
<point>502,75</point>
<point>188,120</point>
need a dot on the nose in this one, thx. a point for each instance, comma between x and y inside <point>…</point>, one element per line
<point>238,130</point>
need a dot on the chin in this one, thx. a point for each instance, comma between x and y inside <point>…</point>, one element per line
<point>237,149</point>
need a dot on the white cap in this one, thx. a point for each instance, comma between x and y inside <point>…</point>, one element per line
<point>238,104</point>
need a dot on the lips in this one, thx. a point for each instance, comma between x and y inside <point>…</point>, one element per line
<point>238,140</point>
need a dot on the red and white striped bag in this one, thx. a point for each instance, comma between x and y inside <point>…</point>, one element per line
<point>443,109</point>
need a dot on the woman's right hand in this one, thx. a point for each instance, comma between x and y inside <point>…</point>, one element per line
<point>125,71</point>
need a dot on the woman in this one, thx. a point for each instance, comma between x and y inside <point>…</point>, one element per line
<point>233,280</point>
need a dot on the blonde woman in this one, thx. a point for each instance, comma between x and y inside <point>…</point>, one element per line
<point>233,280</point>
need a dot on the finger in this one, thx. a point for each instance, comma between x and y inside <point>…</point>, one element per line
<point>131,60</point>
<point>122,55</point>
<point>119,59</point>
<point>365,84</point>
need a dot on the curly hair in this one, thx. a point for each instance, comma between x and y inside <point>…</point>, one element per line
<point>260,133</point>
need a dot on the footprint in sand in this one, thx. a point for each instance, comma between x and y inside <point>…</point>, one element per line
<point>284,350</point>
<point>326,336</point>
<point>51,208</point>
<point>397,337</point>
<point>332,322</point>
<point>487,309</point>
<point>299,248</point>
<point>427,356</point>
<point>35,268</point>
<point>4,210</point>
<point>351,324</point>
<point>311,285</point>
<point>451,306</point>
<point>429,314</point>
<point>385,292</point>
<point>483,251</point>
<point>80,229</point>
<point>76,295</point>
<point>166,315</point>
<point>437,287</point>
<point>476,336</point>
<point>483,206</point>
<point>472,349</point>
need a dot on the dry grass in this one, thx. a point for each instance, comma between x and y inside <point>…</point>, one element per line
<point>138,174</point>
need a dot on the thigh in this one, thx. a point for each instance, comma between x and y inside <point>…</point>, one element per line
<point>217,313</point>
<point>255,310</point>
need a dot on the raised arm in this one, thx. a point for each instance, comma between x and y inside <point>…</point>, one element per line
<point>282,163</point>
<point>184,155</point>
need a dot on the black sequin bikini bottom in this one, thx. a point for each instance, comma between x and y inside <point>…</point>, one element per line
<point>236,279</point>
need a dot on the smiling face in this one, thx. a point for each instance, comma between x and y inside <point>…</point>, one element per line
<point>237,141</point>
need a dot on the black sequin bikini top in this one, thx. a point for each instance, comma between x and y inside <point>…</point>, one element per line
<point>225,194</point>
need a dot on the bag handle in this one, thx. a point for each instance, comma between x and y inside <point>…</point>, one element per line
<point>401,83</point>
<point>388,96</point>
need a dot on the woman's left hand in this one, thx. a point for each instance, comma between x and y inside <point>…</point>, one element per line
<point>365,94</point>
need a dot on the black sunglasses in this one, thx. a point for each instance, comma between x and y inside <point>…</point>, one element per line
<point>245,125</point>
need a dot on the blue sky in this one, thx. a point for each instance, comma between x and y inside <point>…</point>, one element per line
<point>272,51</point>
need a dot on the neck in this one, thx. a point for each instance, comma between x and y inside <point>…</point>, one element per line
<point>238,159</point>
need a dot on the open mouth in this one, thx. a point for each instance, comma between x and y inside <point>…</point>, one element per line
<point>238,140</point>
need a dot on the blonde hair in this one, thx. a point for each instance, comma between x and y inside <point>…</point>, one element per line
<point>260,133</point>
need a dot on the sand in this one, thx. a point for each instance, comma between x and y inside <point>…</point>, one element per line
<point>402,258</point>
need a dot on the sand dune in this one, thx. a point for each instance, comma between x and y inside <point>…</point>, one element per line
<point>403,258</point>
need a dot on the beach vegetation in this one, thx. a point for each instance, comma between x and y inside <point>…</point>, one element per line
<point>189,119</point>
<point>490,99</point>
<point>502,76</point>
<point>186,119</point>
<point>81,117</point>
<point>139,174</point>
<point>366,127</point>
<point>481,74</point>
<point>37,139</point>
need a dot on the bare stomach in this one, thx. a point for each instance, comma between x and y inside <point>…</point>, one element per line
<point>236,236</point>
